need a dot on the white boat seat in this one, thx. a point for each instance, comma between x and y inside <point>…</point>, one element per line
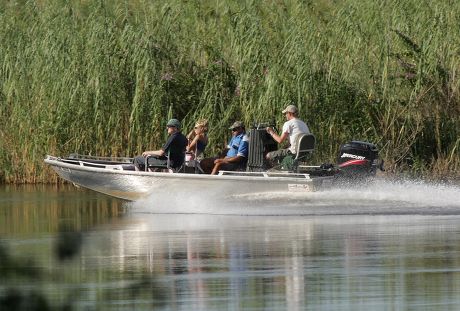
<point>305,147</point>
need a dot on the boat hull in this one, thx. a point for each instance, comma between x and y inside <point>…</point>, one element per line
<point>133,185</point>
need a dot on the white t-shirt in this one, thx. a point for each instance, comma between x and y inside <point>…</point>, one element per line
<point>294,127</point>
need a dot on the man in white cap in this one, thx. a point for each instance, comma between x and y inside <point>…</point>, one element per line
<point>292,128</point>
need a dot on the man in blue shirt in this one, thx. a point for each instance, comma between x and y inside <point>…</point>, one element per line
<point>237,152</point>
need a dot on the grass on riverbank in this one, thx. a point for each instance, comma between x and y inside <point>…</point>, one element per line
<point>103,77</point>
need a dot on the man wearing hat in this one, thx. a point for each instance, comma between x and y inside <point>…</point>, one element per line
<point>174,148</point>
<point>292,128</point>
<point>237,152</point>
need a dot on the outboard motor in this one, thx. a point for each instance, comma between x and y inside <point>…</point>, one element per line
<point>358,160</point>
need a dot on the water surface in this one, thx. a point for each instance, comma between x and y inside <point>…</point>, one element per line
<point>390,247</point>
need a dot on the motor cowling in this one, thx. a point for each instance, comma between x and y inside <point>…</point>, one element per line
<point>358,159</point>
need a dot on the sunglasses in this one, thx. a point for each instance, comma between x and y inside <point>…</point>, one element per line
<point>235,129</point>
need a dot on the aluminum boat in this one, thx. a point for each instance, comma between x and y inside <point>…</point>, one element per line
<point>114,180</point>
<point>117,177</point>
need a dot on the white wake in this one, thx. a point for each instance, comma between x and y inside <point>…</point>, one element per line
<point>380,197</point>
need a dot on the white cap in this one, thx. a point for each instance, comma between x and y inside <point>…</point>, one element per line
<point>290,108</point>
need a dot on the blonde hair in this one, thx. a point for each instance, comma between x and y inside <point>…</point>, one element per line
<point>203,123</point>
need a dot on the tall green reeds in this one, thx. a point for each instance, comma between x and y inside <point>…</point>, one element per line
<point>103,77</point>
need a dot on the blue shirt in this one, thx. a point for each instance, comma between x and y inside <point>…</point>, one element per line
<point>238,146</point>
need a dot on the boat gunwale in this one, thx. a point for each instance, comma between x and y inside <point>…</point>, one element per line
<point>57,162</point>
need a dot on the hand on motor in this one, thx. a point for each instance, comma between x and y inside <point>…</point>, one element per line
<point>270,130</point>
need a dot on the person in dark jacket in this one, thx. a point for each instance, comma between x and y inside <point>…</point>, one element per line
<point>174,148</point>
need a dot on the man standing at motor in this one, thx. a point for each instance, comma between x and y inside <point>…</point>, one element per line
<point>292,128</point>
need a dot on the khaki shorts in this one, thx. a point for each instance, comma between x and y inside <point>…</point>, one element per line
<point>278,155</point>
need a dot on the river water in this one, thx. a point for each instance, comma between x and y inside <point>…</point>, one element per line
<point>391,246</point>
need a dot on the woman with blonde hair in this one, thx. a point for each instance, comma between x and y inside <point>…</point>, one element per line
<point>198,139</point>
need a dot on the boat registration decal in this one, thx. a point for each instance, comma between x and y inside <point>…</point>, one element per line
<point>300,188</point>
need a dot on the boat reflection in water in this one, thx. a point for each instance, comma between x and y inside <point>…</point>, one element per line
<point>392,246</point>
<point>231,262</point>
<point>389,247</point>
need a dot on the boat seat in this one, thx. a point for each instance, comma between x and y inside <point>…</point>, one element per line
<point>305,147</point>
<point>191,162</point>
<point>167,167</point>
<point>156,167</point>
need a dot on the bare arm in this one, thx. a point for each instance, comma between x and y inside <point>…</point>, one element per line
<point>159,153</point>
<point>192,145</point>
<point>279,139</point>
<point>229,160</point>
<point>200,136</point>
<point>190,135</point>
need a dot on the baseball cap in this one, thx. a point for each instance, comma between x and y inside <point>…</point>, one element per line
<point>291,108</point>
<point>173,123</point>
<point>236,124</point>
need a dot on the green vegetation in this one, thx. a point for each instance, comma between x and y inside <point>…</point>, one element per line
<point>27,285</point>
<point>102,77</point>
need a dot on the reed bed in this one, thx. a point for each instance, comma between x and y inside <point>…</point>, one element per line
<point>103,77</point>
